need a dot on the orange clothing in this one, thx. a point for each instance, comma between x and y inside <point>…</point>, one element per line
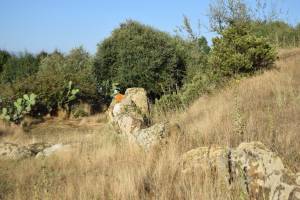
<point>119,97</point>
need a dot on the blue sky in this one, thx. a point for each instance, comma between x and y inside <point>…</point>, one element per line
<point>36,25</point>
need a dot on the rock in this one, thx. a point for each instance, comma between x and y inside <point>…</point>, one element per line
<point>35,148</point>
<point>265,174</point>
<point>130,117</point>
<point>129,124</point>
<point>125,116</point>
<point>54,149</point>
<point>151,136</point>
<point>259,171</point>
<point>139,98</point>
<point>9,151</point>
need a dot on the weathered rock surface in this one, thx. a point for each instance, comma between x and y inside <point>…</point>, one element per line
<point>259,171</point>
<point>9,151</point>
<point>126,118</point>
<point>130,118</point>
<point>139,97</point>
<point>151,136</point>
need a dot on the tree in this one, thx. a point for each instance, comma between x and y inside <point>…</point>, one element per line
<point>223,13</point>
<point>4,57</point>
<point>238,50</point>
<point>136,55</point>
<point>19,66</point>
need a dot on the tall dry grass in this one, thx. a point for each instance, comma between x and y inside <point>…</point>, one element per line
<point>263,108</point>
<point>104,166</point>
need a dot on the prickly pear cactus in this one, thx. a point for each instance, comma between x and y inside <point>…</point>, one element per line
<point>20,107</point>
<point>4,115</point>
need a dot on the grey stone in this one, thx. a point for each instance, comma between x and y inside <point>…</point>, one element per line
<point>259,171</point>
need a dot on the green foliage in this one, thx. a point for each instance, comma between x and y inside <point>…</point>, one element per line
<point>4,57</point>
<point>137,55</point>
<point>4,114</point>
<point>279,33</point>
<point>19,108</point>
<point>52,82</point>
<point>67,96</point>
<point>238,50</point>
<point>168,102</point>
<point>18,67</point>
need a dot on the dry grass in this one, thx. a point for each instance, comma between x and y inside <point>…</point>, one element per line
<point>103,166</point>
<point>263,108</point>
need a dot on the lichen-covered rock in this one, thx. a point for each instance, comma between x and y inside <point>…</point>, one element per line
<point>130,117</point>
<point>264,172</point>
<point>126,116</point>
<point>9,151</point>
<point>139,97</point>
<point>151,136</point>
<point>259,172</point>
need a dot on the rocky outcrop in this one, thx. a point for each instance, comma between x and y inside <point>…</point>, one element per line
<point>130,117</point>
<point>259,172</point>
<point>10,151</point>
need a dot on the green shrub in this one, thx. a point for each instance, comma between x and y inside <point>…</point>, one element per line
<point>18,109</point>
<point>238,50</point>
<point>19,66</point>
<point>200,84</point>
<point>137,55</point>
<point>168,102</point>
<point>4,57</point>
<point>51,82</point>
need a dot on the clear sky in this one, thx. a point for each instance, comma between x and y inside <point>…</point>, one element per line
<point>36,25</point>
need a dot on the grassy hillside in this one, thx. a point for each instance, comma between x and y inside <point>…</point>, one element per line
<point>265,107</point>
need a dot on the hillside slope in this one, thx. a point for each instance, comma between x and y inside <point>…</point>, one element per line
<point>262,108</point>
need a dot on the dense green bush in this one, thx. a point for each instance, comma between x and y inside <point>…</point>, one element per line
<point>238,50</point>
<point>19,66</point>
<point>4,57</point>
<point>51,82</point>
<point>137,55</point>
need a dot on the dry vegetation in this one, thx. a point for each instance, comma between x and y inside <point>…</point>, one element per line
<point>103,166</point>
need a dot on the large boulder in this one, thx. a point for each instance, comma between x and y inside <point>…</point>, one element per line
<point>130,114</point>
<point>126,118</point>
<point>260,172</point>
<point>130,117</point>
